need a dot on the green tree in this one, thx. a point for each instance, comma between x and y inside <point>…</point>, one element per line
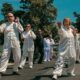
<point>19,13</point>
<point>38,12</point>
<point>6,7</point>
<point>77,23</point>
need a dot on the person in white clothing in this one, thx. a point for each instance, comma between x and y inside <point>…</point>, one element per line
<point>77,44</point>
<point>47,47</point>
<point>66,50</point>
<point>11,42</point>
<point>51,46</point>
<point>28,46</point>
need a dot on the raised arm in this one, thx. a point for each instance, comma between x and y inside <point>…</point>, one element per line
<point>32,34</point>
<point>20,28</point>
<point>2,27</point>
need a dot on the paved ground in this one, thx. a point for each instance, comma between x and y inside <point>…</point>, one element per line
<point>39,72</point>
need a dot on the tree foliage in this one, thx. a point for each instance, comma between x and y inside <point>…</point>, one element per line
<point>38,12</point>
<point>77,23</point>
<point>6,7</point>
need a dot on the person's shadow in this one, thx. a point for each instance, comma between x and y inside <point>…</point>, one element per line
<point>8,74</point>
<point>44,73</point>
<point>39,77</point>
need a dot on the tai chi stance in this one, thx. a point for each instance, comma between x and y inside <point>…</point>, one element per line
<point>28,46</point>
<point>11,42</point>
<point>66,50</point>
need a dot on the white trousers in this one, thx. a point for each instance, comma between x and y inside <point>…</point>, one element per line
<point>5,58</point>
<point>78,55</point>
<point>30,58</point>
<point>46,54</point>
<point>60,64</point>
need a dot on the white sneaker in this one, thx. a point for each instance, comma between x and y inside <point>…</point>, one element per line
<point>72,74</point>
<point>30,67</point>
<point>20,67</point>
<point>54,77</point>
<point>49,60</point>
<point>45,60</point>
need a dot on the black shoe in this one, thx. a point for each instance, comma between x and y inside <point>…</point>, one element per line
<point>2,73</point>
<point>0,76</point>
<point>66,66</point>
<point>39,62</point>
<point>77,62</point>
<point>20,68</point>
<point>53,79</point>
<point>15,73</point>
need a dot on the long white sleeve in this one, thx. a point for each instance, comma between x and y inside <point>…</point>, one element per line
<point>23,35</point>
<point>2,27</point>
<point>32,34</point>
<point>52,42</point>
<point>20,28</point>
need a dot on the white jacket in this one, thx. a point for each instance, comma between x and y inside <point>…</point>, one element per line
<point>11,34</point>
<point>67,43</point>
<point>28,40</point>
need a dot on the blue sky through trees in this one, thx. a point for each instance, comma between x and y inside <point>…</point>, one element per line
<point>65,7</point>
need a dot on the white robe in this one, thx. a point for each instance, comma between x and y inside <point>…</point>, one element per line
<point>67,44</point>
<point>28,48</point>
<point>77,44</point>
<point>66,51</point>
<point>11,34</point>
<point>11,41</point>
<point>28,44</point>
<point>51,47</point>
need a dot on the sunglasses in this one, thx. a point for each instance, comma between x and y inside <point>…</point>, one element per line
<point>10,16</point>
